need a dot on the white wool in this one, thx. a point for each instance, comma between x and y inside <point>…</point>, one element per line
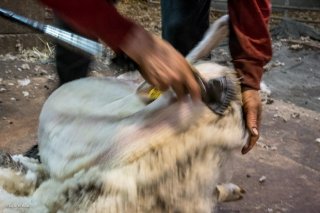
<point>20,182</point>
<point>17,182</point>
<point>30,163</point>
<point>24,160</point>
<point>264,88</point>
<point>106,109</point>
<point>9,203</point>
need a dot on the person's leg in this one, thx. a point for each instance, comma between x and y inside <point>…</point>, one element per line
<point>70,65</point>
<point>184,22</point>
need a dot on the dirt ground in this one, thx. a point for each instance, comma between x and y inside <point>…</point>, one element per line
<point>281,174</point>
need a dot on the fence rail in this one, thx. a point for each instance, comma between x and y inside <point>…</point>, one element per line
<point>286,6</point>
<point>284,9</point>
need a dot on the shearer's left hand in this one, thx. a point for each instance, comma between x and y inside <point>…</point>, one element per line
<point>252,108</point>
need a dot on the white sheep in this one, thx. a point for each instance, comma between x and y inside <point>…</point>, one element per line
<point>104,150</point>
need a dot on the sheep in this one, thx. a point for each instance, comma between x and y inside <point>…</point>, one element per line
<point>103,148</point>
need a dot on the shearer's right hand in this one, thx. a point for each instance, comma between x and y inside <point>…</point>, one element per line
<point>252,108</point>
<point>161,65</point>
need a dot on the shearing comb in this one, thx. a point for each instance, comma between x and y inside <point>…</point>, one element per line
<point>217,93</point>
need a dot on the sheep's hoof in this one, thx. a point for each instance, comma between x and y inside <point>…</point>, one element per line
<point>229,192</point>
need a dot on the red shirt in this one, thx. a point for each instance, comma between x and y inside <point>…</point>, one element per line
<point>250,43</point>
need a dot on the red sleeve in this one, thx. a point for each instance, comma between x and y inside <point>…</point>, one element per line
<point>96,18</point>
<point>250,42</point>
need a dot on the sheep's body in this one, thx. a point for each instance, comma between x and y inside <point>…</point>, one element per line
<point>164,157</point>
<point>104,150</point>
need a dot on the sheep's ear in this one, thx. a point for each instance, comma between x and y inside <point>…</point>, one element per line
<point>215,34</point>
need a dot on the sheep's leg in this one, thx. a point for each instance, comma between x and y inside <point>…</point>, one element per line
<point>212,38</point>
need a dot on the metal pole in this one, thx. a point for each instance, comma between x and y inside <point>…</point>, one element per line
<point>286,3</point>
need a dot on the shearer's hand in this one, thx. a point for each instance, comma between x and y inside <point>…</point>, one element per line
<point>252,108</point>
<point>161,65</point>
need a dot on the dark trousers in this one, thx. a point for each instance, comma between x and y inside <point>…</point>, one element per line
<point>184,23</point>
<point>70,65</point>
